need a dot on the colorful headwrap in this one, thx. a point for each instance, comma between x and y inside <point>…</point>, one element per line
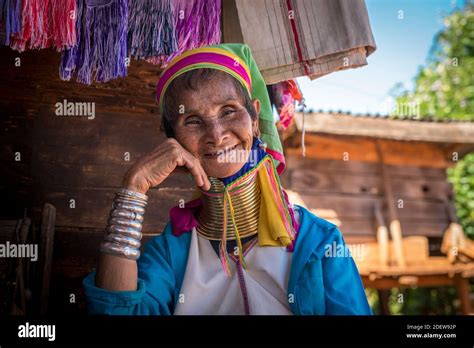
<point>236,60</point>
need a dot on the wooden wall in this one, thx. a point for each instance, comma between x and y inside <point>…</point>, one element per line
<point>74,158</point>
<point>340,180</point>
<point>66,158</point>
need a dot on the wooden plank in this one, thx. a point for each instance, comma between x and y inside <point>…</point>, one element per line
<point>74,246</point>
<point>46,247</point>
<point>364,227</point>
<point>98,175</point>
<point>309,181</point>
<point>296,162</point>
<point>388,283</point>
<point>331,147</point>
<point>361,206</point>
<point>422,189</point>
<point>362,149</point>
<point>92,206</point>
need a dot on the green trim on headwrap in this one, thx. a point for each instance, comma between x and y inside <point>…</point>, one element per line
<point>268,130</point>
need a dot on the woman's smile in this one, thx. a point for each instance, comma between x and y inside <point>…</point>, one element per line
<point>222,152</point>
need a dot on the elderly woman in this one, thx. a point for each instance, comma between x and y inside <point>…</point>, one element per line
<point>239,247</point>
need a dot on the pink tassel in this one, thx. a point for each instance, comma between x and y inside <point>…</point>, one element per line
<point>46,23</point>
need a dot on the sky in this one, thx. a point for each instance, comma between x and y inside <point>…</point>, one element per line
<point>402,47</point>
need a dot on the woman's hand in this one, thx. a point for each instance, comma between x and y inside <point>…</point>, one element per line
<point>152,169</point>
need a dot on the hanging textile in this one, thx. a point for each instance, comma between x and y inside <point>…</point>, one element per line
<point>197,23</point>
<point>285,94</point>
<point>10,20</point>
<point>151,29</point>
<point>46,23</point>
<point>293,38</point>
<point>101,50</point>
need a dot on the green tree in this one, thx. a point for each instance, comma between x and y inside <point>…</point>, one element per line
<point>444,89</point>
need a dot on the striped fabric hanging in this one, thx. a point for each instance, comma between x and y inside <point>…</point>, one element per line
<point>101,50</point>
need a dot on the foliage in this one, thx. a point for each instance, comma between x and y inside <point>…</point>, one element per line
<point>462,178</point>
<point>443,88</point>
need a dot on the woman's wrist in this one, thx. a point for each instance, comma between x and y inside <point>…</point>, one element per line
<point>133,182</point>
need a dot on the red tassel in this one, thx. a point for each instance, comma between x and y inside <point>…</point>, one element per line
<point>46,23</point>
<point>63,14</point>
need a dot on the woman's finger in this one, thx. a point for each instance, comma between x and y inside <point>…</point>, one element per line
<point>191,163</point>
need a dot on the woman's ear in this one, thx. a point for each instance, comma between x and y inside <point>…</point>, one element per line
<point>256,106</point>
<point>256,129</point>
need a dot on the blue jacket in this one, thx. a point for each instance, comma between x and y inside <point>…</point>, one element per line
<point>317,285</point>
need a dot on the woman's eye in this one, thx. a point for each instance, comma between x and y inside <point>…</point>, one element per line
<point>192,122</point>
<point>228,112</point>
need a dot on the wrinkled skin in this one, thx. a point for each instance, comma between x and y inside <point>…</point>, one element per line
<point>219,121</point>
<point>212,122</point>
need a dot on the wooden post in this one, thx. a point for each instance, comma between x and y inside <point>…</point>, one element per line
<point>462,286</point>
<point>382,236</point>
<point>384,296</point>
<point>395,227</point>
<point>48,222</point>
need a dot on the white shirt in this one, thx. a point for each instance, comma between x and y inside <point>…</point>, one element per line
<point>259,289</point>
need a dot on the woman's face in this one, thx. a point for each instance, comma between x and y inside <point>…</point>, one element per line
<point>214,125</point>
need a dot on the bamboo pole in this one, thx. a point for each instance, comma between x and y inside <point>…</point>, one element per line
<point>394,225</point>
<point>382,236</point>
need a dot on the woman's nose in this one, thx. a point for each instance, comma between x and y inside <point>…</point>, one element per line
<point>216,134</point>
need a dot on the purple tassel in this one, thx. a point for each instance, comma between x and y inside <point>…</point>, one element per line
<point>151,31</point>
<point>197,24</point>
<point>10,20</point>
<point>101,50</point>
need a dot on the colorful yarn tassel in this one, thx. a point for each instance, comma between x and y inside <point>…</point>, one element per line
<point>34,26</point>
<point>197,24</point>
<point>151,29</point>
<point>10,20</point>
<point>223,243</point>
<point>101,50</point>
<point>46,23</point>
<point>285,94</point>
<point>63,15</point>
